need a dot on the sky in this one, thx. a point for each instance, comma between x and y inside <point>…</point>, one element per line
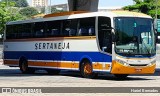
<point>102,3</point>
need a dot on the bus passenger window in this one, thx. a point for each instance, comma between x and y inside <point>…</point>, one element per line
<point>87,26</point>
<point>69,27</point>
<point>26,33</point>
<point>53,28</point>
<point>83,32</point>
<point>39,29</point>
<point>72,32</point>
<point>9,31</point>
<point>54,32</point>
<point>91,31</point>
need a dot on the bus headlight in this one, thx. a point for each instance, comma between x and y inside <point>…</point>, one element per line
<point>122,62</point>
<point>153,62</point>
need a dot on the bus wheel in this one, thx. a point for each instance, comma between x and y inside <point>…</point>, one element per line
<point>53,72</point>
<point>121,76</point>
<point>87,70</point>
<point>24,67</point>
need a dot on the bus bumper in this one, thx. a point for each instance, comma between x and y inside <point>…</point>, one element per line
<point>118,68</point>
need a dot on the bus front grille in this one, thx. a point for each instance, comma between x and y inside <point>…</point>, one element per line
<point>138,64</point>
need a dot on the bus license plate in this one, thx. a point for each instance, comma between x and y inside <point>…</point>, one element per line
<point>138,69</point>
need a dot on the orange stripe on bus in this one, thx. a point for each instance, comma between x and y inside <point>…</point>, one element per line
<point>64,64</point>
<point>100,66</point>
<point>54,64</point>
<point>58,64</point>
<point>11,62</point>
<point>34,63</point>
<point>75,65</point>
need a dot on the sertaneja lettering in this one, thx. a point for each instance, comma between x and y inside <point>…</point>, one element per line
<point>59,45</point>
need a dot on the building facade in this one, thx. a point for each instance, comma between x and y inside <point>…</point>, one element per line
<point>63,7</point>
<point>39,3</point>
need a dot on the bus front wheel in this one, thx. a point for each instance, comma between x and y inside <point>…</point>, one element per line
<point>121,76</point>
<point>24,67</point>
<point>87,70</point>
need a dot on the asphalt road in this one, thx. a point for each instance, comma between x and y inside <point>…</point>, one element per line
<point>12,77</point>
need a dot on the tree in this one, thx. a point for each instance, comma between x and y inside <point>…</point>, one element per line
<point>8,14</point>
<point>29,12</point>
<point>145,6</point>
<point>18,3</point>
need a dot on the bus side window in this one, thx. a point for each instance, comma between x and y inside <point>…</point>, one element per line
<point>72,32</point>
<point>69,27</point>
<point>91,31</point>
<point>66,27</point>
<point>9,31</point>
<point>53,28</point>
<point>73,27</point>
<point>54,32</point>
<point>83,32</point>
<point>87,26</point>
<point>39,29</point>
<point>26,33</point>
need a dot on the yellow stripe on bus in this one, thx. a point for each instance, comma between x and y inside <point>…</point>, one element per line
<point>97,66</point>
<point>53,39</point>
<point>11,62</point>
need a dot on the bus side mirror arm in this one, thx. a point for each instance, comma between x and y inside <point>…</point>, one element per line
<point>114,37</point>
<point>156,35</point>
<point>104,48</point>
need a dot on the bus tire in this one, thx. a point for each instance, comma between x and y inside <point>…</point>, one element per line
<point>86,70</point>
<point>121,76</point>
<point>24,67</point>
<point>53,72</point>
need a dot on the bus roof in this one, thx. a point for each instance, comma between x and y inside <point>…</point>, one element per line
<point>82,14</point>
<point>130,13</point>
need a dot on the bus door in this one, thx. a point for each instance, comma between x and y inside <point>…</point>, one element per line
<point>105,41</point>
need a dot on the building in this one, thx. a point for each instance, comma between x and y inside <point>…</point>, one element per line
<point>104,9</point>
<point>39,3</point>
<point>63,7</point>
<point>101,9</point>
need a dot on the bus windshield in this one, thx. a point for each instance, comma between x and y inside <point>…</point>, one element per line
<point>134,36</point>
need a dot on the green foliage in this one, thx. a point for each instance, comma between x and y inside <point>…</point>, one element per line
<point>21,3</point>
<point>145,6</point>
<point>18,3</point>
<point>8,14</point>
<point>28,12</point>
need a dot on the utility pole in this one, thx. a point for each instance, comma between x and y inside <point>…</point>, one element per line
<point>47,7</point>
<point>50,10</point>
<point>156,18</point>
<point>156,9</point>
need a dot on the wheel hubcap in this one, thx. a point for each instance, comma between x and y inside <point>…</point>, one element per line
<point>24,66</point>
<point>87,69</point>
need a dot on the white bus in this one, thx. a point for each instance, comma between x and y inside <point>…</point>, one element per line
<point>116,42</point>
